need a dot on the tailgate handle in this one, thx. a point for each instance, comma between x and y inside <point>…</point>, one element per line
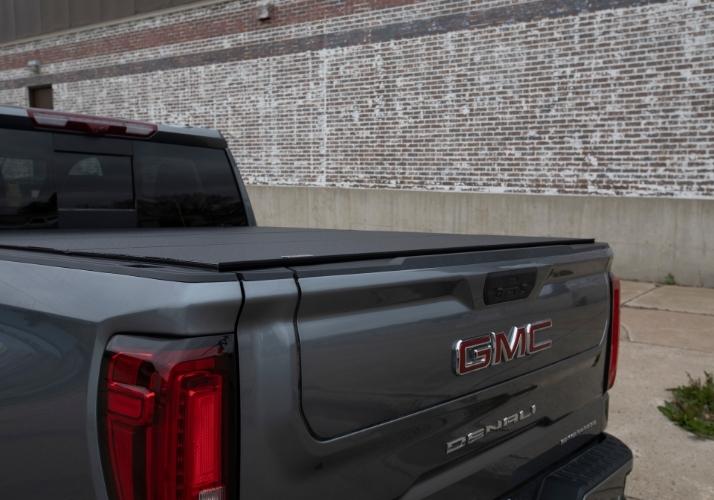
<point>503,286</point>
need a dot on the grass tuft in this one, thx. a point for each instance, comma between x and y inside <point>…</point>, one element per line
<point>693,406</point>
<point>669,280</point>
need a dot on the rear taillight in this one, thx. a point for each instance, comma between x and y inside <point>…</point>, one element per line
<point>614,331</point>
<point>165,412</point>
<point>94,125</point>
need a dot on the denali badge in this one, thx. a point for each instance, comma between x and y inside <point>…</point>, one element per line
<point>495,348</point>
<point>481,432</point>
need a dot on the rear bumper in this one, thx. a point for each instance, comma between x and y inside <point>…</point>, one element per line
<point>597,472</point>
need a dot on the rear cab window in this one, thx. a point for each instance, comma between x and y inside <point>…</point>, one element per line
<point>185,186</point>
<point>113,183</point>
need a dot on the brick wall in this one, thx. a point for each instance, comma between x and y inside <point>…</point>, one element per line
<point>606,97</point>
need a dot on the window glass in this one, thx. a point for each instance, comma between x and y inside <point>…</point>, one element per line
<point>94,182</point>
<point>175,186</point>
<point>180,186</point>
<point>27,193</point>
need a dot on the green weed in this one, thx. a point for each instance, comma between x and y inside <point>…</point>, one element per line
<point>693,406</point>
<point>669,280</point>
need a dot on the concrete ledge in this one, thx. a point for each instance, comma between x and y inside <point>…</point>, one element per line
<point>651,237</point>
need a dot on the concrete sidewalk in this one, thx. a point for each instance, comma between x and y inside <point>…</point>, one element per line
<point>668,331</point>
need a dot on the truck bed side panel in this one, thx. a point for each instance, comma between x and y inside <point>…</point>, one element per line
<point>54,326</point>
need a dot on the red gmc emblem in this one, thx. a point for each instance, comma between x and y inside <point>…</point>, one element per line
<point>477,353</point>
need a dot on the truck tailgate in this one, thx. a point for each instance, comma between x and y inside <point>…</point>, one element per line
<point>376,346</point>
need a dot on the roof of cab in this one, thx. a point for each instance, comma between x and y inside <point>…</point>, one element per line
<point>16,117</point>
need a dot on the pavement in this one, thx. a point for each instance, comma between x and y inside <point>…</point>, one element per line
<point>667,332</point>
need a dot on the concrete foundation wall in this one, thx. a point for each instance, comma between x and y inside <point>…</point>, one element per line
<point>651,237</point>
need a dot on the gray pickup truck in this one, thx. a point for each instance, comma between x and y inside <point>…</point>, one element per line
<point>156,344</point>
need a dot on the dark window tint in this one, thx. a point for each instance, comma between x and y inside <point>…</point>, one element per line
<point>94,182</point>
<point>28,197</point>
<point>185,186</point>
<point>38,186</point>
<point>163,185</point>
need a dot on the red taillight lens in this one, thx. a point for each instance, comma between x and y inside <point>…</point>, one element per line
<point>165,410</point>
<point>614,331</point>
<point>91,124</point>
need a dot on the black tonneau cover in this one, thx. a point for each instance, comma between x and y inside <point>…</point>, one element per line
<point>236,249</point>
